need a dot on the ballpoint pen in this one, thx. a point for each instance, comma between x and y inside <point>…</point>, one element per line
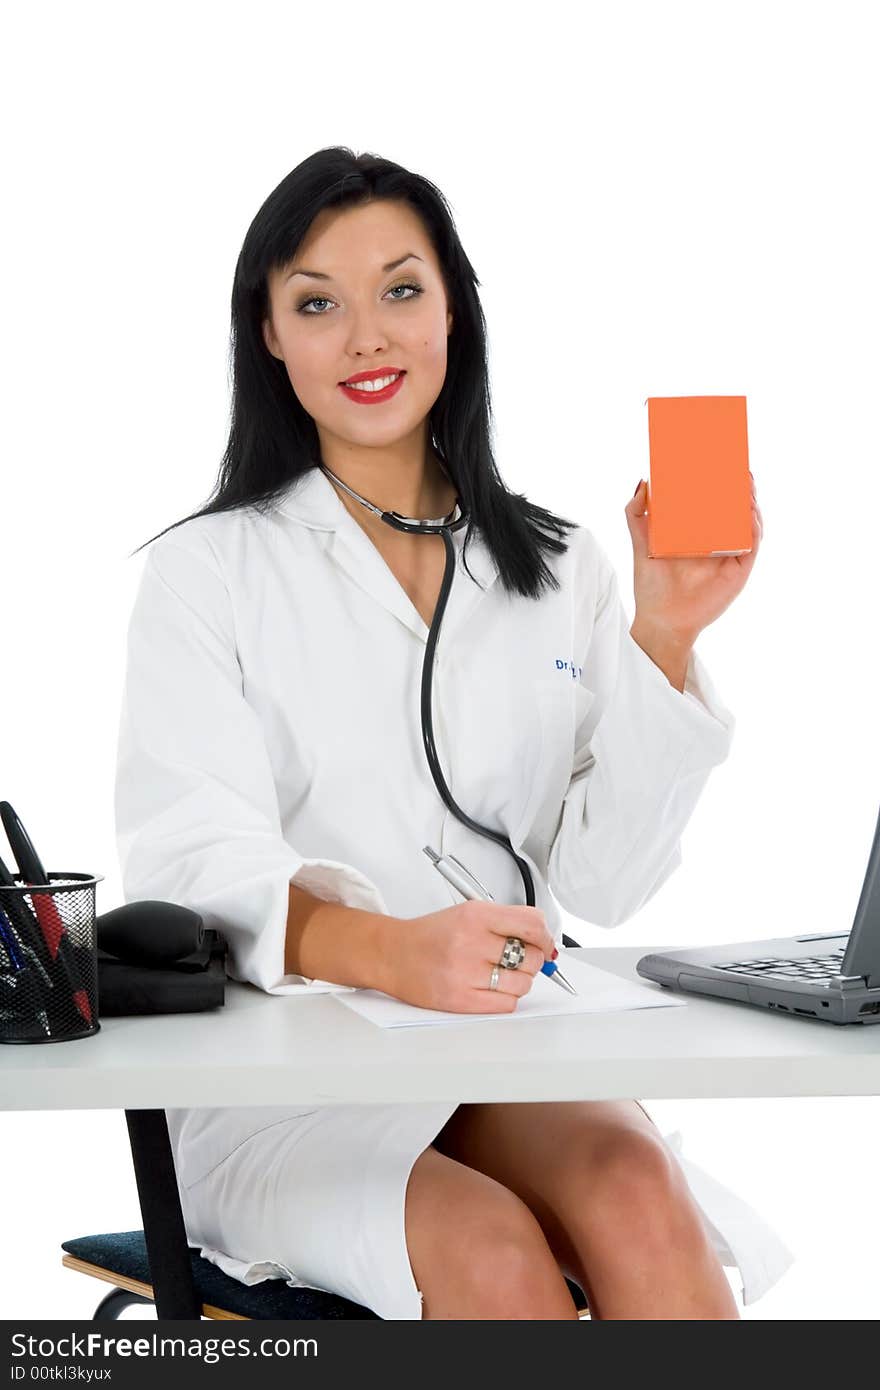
<point>470,887</point>
<point>46,909</point>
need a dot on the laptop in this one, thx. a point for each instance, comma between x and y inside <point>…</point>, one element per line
<point>833,976</point>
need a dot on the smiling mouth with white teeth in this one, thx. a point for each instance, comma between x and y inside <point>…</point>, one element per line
<point>378,384</point>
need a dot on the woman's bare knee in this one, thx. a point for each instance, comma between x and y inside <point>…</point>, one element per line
<point>643,1247</point>
<point>475,1249</point>
<point>633,1201</point>
<point>635,1176</point>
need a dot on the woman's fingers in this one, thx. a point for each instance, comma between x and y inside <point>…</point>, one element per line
<point>504,999</point>
<point>518,981</point>
<point>492,1001</point>
<point>486,928</point>
<point>527,923</point>
<point>529,965</point>
<point>513,983</point>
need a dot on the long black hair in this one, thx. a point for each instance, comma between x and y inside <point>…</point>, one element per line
<point>273,439</point>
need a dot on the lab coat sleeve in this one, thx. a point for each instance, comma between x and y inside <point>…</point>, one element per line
<point>643,753</point>
<point>196,806</point>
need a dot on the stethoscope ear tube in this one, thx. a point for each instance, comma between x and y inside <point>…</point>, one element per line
<point>427,528</point>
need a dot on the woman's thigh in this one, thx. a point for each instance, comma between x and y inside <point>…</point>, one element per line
<point>476,1249</point>
<point>554,1156</point>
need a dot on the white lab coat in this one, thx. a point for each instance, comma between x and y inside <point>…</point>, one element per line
<point>270,733</point>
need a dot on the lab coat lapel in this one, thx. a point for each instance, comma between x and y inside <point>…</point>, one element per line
<point>466,594</point>
<point>353,550</point>
<point>313,500</point>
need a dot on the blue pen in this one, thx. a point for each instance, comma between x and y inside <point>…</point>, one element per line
<point>7,936</point>
<point>470,887</point>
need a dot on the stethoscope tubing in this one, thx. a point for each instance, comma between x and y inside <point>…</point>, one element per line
<point>428,727</point>
<point>444,527</point>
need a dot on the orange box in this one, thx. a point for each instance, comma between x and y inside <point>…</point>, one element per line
<point>699,489</point>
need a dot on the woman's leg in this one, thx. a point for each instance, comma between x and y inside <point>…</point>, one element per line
<point>476,1250</point>
<point>612,1201</point>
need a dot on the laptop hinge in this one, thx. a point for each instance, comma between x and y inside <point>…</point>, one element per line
<point>852,984</point>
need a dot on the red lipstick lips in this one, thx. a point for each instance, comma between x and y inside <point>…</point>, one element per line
<point>372,397</point>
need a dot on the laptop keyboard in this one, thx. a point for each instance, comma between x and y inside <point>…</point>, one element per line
<point>803,968</point>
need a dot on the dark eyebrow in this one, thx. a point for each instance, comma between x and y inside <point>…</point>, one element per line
<point>319,275</point>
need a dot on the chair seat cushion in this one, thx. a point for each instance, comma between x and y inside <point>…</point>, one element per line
<point>125,1253</point>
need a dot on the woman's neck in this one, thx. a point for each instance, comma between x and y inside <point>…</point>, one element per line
<point>431,494</point>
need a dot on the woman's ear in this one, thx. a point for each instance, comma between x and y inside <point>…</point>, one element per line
<point>269,338</point>
<point>448,322</point>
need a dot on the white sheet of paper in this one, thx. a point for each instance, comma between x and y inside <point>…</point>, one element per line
<point>598,991</point>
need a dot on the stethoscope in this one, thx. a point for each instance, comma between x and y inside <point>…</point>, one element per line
<point>441,526</point>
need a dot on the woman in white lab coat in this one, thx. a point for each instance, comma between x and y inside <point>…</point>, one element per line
<point>271,775</point>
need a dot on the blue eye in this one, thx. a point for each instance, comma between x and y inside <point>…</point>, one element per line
<point>417,289</point>
<point>322,299</point>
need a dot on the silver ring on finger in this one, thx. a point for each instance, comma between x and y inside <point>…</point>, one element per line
<point>514,953</point>
<point>495,977</point>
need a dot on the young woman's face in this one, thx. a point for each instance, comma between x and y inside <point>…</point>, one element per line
<point>359,316</point>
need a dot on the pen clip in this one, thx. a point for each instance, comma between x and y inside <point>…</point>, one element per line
<point>484,892</point>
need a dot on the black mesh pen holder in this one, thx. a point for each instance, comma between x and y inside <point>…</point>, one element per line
<point>49,960</point>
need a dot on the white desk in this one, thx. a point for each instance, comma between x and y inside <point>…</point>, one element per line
<point>263,1049</point>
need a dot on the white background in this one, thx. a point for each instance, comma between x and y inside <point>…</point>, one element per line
<point>658,199</point>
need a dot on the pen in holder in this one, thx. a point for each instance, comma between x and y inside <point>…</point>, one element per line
<point>48,959</point>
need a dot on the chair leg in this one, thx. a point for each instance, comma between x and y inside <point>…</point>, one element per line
<point>115,1303</point>
<point>164,1232</point>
